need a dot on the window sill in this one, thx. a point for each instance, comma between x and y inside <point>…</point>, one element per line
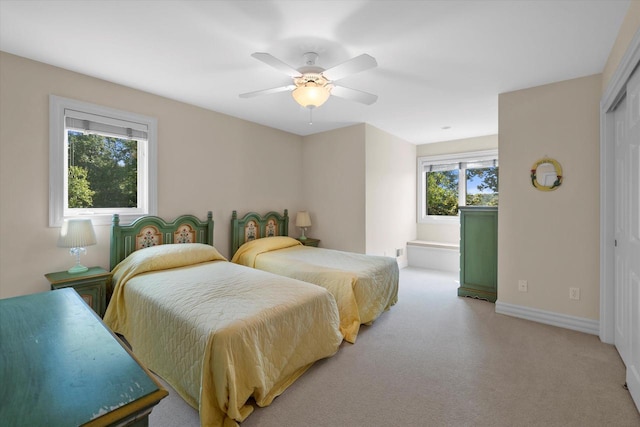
<point>440,220</point>
<point>435,245</point>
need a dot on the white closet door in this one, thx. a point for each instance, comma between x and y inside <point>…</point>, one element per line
<point>622,319</point>
<point>633,108</point>
<point>627,231</point>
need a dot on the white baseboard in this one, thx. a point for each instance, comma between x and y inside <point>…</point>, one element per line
<point>433,257</point>
<point>580,324</point>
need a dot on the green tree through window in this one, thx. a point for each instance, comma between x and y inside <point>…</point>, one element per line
<point>102,171</point>
<point>80,193</point>
<point>486,180</point>
<point>442,193</point>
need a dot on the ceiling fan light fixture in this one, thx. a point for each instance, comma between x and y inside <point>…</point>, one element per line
<point>311,95</point>
<point>312,85</point>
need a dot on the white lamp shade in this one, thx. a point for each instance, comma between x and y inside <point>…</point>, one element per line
<point>76,233</point>
<point>303,219</point>
<point>311,95</point>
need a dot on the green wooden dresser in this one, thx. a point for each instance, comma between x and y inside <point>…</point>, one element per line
<point>479,252</point>
<point>61,366</point>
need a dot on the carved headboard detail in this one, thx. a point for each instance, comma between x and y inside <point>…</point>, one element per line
<point>271,228</point>
<point>152,230</point>
<point>254,226</point>
<point>251,231</point>
<point>184,234</point>
<point>148,236</point>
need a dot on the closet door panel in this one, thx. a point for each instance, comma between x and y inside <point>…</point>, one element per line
<point>622,303</point>
<point>627,234</point>
<point>630,248</point>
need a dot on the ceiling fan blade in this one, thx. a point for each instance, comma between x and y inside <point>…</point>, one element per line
<point>352,66</point>
<point>267,91</point>
<point>354,95</point>
<point>276,63</point>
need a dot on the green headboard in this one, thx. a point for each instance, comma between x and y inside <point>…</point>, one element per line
<point>152,230</point>
<point>255,226</point>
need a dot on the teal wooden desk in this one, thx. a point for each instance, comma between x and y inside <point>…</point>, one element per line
<point>61,366</point>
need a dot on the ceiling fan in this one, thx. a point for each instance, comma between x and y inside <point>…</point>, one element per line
<point>312,85</point>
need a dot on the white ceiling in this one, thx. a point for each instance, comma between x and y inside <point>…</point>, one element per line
<point>440,63</point>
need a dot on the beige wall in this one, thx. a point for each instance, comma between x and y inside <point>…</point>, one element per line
<point>333,179</point>
<point>390,194</point>
<point>449,231</point>
<point>206,161</point>
<point>551,238</point>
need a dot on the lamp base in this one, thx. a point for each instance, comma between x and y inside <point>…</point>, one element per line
<point>302,237</point>
<point>78,268</point>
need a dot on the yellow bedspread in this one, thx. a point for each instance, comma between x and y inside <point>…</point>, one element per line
<point>364,286</point>
<point>220,333</point>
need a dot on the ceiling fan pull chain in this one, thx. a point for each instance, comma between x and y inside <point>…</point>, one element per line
<point>310,116</point>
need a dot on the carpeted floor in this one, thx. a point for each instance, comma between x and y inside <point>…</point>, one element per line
<point>436,359</point>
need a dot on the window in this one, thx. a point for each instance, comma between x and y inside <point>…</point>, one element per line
<point>446,182</point>
<point>102,162</point>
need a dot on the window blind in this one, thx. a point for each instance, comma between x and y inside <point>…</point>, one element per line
<point>477,164</point>
<point>109,126</point>
<point>472,164</point>
<point>442,167</point>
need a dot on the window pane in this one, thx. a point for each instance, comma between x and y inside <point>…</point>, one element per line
<point>482,186</point>
<point>103,171</point>
<point>442,193</point>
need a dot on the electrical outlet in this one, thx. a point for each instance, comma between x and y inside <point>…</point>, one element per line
<point>574,293</point>
<point>523,286</point>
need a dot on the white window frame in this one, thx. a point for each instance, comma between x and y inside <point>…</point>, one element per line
<point>58,177</point>
<point>425,161</point>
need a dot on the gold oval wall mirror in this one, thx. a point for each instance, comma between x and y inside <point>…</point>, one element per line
<point>546,174</point>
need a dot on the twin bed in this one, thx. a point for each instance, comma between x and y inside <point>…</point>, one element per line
<point>364,286</point>
<point>222,334</point>
<point>217,332</point>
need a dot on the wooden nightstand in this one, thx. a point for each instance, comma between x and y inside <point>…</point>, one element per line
<point>91,285</point>
<point>309,242</point>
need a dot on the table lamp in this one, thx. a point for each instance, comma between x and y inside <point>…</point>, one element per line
<point>303,221</point>
<point>76,234</point>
